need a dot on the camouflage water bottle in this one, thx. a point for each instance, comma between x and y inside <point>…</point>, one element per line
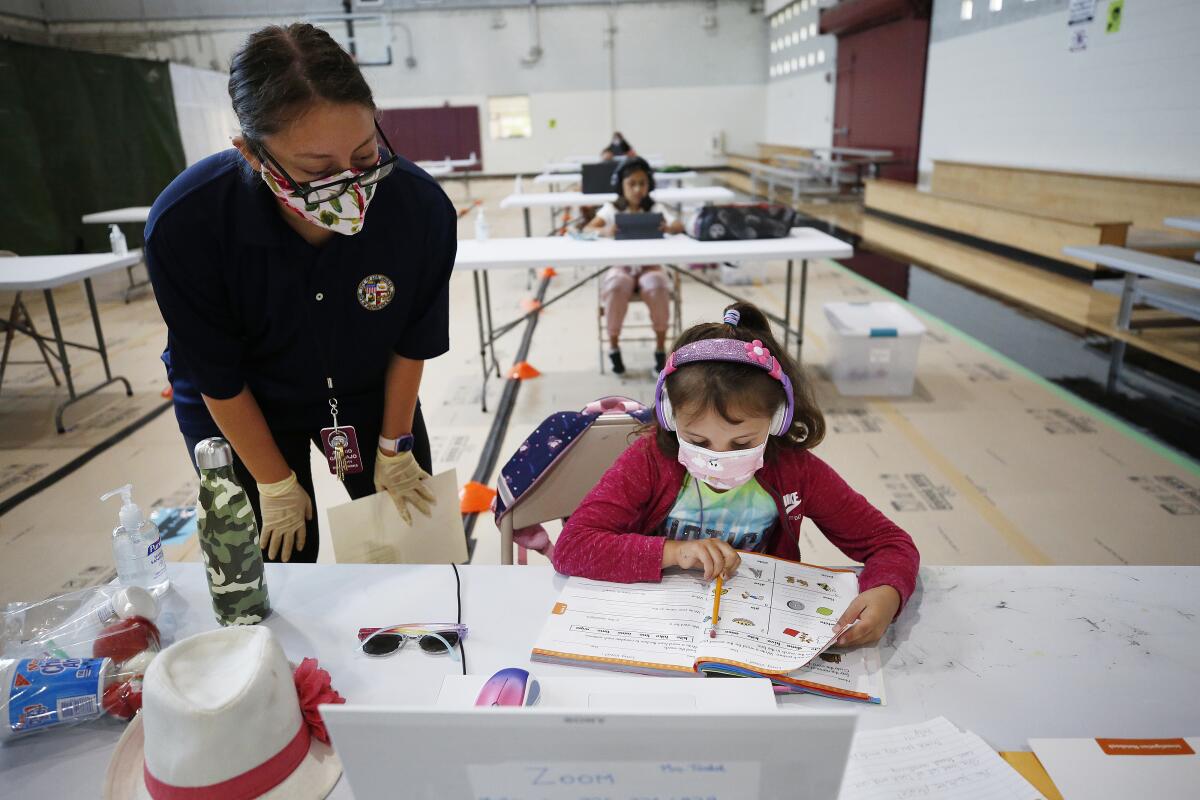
<point>229,539</point>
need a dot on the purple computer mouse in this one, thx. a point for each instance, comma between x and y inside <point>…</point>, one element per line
<point>509,687</point>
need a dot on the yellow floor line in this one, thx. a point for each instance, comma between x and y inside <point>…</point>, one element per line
<point>986,508</point>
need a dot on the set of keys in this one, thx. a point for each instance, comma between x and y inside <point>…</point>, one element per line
<point>340,444</point>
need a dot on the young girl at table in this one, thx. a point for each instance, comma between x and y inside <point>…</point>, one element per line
<point>634,180</point>
<point>728,465</point>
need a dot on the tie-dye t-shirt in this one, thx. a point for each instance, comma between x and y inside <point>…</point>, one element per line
<point>742,517</point>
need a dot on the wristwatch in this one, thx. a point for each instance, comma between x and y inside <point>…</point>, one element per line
<point>403,444</point>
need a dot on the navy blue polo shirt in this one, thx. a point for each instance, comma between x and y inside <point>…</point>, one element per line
<point>248,302</point>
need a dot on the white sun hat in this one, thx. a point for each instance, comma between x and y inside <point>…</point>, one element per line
<point>222,719</point>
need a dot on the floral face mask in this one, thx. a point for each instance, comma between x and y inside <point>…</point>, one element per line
<point>344,214</point>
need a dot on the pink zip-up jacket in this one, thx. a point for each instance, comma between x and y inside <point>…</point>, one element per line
<point>613,535</point>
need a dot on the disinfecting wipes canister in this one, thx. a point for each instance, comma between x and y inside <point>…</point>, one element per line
<point>41,693</point>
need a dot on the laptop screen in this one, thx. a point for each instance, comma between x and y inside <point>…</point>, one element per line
<point>597,178</point>
<point>566,754</point>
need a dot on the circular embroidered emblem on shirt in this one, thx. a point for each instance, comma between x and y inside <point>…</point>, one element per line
<point>375,292</point>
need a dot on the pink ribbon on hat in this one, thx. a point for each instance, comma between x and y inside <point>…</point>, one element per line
<point>313,687</point>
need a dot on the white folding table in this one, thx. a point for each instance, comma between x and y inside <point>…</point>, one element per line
<point>131,215</point>
<point>1186,224</point>
<point>663,179</point>
<point>838,159</point>
<point>1175,286</point>
<point>674,195</point>
<point>119,216</point>
<point>1183,223</point>
<point>448,165</point>
<point>28,273</point>
<point>563,251</point>
<point>1009,652</point>
<point>654,160</point>
<point>436,169</point>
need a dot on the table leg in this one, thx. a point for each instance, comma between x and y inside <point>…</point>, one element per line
<point>491,331</point>
<point>133,285</point>
<point>62,356</point>
<point>101,347</point>
<point>482,342</point>
<point>528,234</point>
<point>9,332</point>
<point>787,305</point>
<point>800,312</point>
<point>1124,313</point>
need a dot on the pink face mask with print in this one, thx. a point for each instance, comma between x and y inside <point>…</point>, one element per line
<point>722,471</point>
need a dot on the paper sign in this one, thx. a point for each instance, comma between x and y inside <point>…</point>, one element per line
<point>1078,40</point>
<point>1081,11</point>
<point>1116,10</point>
<point>370,530</point>
<point>623,780</point>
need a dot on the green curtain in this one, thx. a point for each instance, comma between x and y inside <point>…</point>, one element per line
<point>80,132</point>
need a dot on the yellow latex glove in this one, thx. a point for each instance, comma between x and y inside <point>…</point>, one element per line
<point>285,507</point>
<point>400,476</point>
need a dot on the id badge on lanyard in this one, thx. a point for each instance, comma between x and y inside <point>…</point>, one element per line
<point>340,443</point>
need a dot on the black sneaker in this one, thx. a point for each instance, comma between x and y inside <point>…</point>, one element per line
<point>618,366</point>
<point>660,361</point>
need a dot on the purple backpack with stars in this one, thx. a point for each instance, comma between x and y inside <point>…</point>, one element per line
<point>549,442</point>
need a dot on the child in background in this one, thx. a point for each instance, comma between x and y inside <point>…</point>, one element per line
<point>635,181</point>
<point>619,147</point>
<point>727,466</point>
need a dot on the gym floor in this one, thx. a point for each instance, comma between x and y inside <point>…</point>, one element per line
<point>986,463</point>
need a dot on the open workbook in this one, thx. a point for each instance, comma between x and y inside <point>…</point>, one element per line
<point>775,621</point>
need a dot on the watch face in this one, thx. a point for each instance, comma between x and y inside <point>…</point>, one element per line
<point>405,443</point>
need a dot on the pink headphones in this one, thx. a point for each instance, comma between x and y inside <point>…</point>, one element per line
<point>734,351</point>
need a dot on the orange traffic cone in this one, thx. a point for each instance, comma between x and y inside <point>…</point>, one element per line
<point>523,371</point>
<point>475,498</point>
<point>530,304</point>
<point>549,272</point>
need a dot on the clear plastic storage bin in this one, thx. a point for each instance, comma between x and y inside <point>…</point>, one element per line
<point>873,348</point>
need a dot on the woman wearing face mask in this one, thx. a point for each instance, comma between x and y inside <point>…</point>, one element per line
<point>303,277</point>
<point>729,467</point>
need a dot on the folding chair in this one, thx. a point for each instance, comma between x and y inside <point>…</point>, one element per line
<point>676,316</point>
<point>559,488</point>
<point>20,321</point>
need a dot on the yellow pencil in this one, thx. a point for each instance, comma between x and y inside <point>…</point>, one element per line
<point>712,631</point>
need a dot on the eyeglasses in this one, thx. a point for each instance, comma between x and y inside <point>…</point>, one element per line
<point>320,193</point>
<point>432,637</point>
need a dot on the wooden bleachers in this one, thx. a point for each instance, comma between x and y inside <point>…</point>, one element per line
<point>1145,202</point>
<point>1023,228</point>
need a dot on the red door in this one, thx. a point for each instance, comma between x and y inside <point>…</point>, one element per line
<point>431,134</point>
<point>881,91</point>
